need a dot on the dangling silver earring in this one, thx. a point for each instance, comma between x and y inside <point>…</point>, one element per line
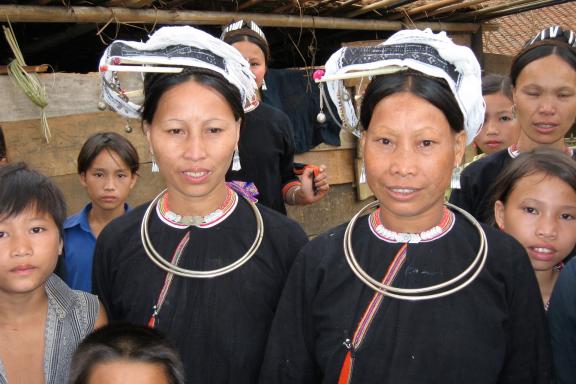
<point>321,117</point>
<point>236,166</point>
<point>362,178</point>
<point>155,167</point>
<point>455,180</point>
<point>264,87</point>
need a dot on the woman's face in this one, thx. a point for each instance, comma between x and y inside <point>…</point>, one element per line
<point>409,153</point>
<point>254,55</point>
<point>545,98</point>
<point>541,214</point>
<point>500,129</point>
<point>193,135</point>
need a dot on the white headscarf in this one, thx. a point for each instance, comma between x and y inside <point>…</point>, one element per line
<point>433,54</point>
<point>180,46</point>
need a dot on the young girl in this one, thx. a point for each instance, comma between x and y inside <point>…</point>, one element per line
<point>535,202</point>
<point>126,353</point>
<point>107,165</point>
<point>500,129</point>
<point>41,319</point>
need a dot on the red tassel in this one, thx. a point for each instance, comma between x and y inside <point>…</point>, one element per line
<point>345,371</point>
<point>151,322</point>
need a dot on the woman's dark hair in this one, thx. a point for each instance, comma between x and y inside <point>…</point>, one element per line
<point>156,84</point>
<point>127,342</point>
<point>2,145</point>
<point>246,34</point>
<point>540,50</point>
<point>495,83</point>
<point>434,90</point>
<point>550,162</point>
<point>111,142</point>
<point>22,188</point>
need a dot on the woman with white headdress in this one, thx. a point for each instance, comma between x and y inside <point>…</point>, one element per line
<point>414,291</point>
<point>201,263</point>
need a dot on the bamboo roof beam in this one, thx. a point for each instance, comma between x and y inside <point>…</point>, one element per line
<point>45,14</point>
<point>507,8</point>
<point>528,7</point>
<point>430,7</point>
<point>129,3</point>
<point>343,5</point>
<point>450,8</point>
<point>371,7</point>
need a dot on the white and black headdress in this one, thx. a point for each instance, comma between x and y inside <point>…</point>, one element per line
<point>170,49</point>
<point>433,54</point>
<point>554,33</point>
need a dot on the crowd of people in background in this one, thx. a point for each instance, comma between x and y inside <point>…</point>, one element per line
<point>211,281</point>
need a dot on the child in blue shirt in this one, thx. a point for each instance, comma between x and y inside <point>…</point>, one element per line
<point>107,166</point>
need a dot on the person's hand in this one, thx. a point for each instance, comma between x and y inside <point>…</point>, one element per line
<point>314,188</point>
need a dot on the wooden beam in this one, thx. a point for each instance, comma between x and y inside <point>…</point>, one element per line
<point>454,7</point>
<point>499,7</point>
<point>431,6</point>
<point>129,3</point>
<point>29,68</point>
<point>507,9</point>
<point>371,7</point>
<point>32,14</point>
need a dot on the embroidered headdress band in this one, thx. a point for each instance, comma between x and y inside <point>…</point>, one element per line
<point>169,50</point>
<point>423,51</point>
<point>554,33</point>
<point>243,25</point>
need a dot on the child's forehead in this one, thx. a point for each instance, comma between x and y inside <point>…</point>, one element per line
<point>30,212</point>
<point>109,158</point>
<point>545,185</point>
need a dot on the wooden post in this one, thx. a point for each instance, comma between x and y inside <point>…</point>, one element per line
<point>35,14</point>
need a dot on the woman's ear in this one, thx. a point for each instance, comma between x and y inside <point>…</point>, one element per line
<point>459,147</point>
<point>499,214</point>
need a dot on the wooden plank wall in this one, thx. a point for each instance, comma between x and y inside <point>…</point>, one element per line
<point>73,116</point>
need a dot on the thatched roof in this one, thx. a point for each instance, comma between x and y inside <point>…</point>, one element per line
<point>70,34</point>
<point>406,10</point>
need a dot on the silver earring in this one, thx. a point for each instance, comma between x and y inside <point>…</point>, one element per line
<point>155,167</point>
<point>236,166</point>
<point>455,180</point>
<point>264,87</point>
<point>362,178</point>
<point>321,117</point>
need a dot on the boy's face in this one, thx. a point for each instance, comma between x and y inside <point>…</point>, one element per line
<point>29,247</point>
<point>108,181</point>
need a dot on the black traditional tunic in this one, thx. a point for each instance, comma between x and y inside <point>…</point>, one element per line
<point>218,325</point>
<point>492,331</point>
<point>476,181</point>
<point>266,154</point>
